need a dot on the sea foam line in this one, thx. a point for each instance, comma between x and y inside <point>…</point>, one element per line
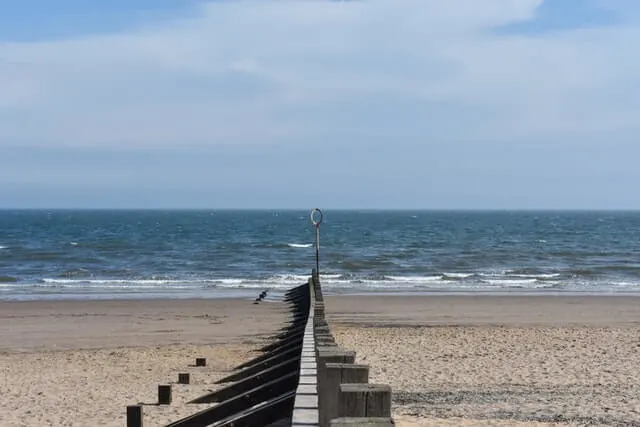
<point>299,245</point>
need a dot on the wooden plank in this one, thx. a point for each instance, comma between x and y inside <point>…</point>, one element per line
<point>240,403</point>
<point>134,416</point>
<point>267,355</point>
<point>336,374</point>
<point>269,374</point>
<point>365,400</point>
<point>269,412</point>
<point>262,365</point>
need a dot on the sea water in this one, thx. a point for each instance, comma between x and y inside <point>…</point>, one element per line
<point>67,254</point>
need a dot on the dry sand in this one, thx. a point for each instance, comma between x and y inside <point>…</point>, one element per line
<point>81,363</point>
<point>503,361</point>
<point>452,361</point>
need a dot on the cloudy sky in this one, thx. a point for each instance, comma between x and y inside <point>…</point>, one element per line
<point>524,104</point>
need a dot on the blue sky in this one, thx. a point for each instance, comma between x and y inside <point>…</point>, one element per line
<point>495,104</point>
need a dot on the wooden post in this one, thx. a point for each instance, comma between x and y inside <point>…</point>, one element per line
<point>326,341</point>
<point>334,375</point>
<point>201,361</point>
<point>329,355</point>
<point>333,354</point>
<point>184,378</point>
<point>362,422</point>
<point>365,400</point>
<point>134,416</point>
<point>164,394</point>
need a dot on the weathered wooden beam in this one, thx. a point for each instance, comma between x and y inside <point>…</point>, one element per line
<point>267,355</point>
<point>240,403</point>
<point>297,337</point>
<point>269,374</point>
<point>329,388</point>
<point>261,366</point>
<point>269,412</point>
<point>164,394</point>
<point>365,400</point>
<point>297,290</point>
<point>324,356</point>
<point>290,331</point>
<point>134,416</point>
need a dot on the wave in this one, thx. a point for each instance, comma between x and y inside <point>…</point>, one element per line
<point>457,275</point>
<point>414,279</point>
<point>276,286</point>
<point>537,276</point>
<point>3,247</point>
<point>299,245</point>
<point>332,281</point>
<point>508,282</point>
<point>122,283</point>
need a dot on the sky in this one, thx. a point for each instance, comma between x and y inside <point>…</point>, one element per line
<point>382,104</point>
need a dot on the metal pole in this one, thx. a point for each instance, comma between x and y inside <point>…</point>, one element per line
<point>317,221</point>
<point>318,250</point>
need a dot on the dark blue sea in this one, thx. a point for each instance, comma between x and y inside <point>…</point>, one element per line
<point>62,254</point>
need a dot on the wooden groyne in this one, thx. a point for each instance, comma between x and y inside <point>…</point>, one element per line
<point>333,390</point>
<point>301,378</point>
<point>260,392</point>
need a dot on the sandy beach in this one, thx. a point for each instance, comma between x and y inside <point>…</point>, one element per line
<point>499,361</point>
<point>451,361</point>
<point>81,363</point>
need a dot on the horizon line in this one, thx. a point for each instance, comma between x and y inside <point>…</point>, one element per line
<point>298,209</point>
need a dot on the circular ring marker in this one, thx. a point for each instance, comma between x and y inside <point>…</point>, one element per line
<point>316,217</point>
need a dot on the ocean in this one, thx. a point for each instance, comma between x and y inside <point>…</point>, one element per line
<point>76,254</point>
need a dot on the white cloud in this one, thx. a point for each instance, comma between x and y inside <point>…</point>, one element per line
<point>287,70</point>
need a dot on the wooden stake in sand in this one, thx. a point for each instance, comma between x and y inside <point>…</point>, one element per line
<point>134,416</point>
<point>164,394</point>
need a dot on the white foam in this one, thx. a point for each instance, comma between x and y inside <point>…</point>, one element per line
<point>511,274</point>
<point>536,276</point>
<point>290,278</point>
<point>229,281</point>
<point>299,245</point>
<point>624,284</point>
<point>3,247</point>
<point>122,284</point>
<point>415,278</point>
<point>509,282</point>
